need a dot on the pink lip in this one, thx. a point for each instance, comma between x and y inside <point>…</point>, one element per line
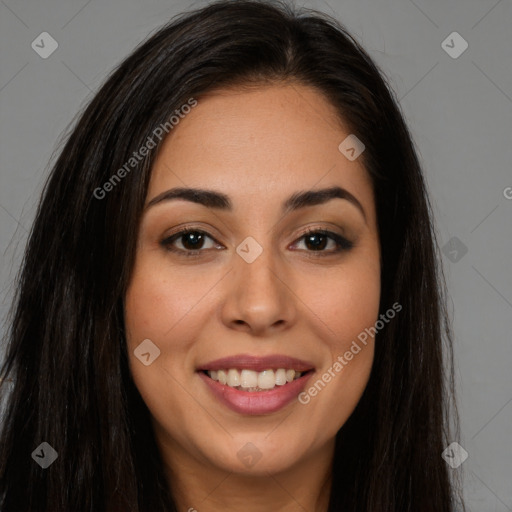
<point>257,402</point>
<point>258,363</point>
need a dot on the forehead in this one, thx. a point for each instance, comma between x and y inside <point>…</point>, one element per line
<point>268,142</point>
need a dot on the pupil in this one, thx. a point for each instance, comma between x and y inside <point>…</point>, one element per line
<point>320,245</point>
<point>193,239</point>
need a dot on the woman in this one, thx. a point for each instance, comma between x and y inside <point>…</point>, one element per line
<point>230,296</point>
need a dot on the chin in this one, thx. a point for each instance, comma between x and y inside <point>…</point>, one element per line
<point>258,455</point>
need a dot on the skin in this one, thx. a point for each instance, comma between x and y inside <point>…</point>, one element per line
<point>259,146</point>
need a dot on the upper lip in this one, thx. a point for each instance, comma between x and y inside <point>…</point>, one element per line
<point>258,363</point>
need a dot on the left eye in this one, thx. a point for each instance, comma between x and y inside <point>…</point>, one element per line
<point>318,240</point>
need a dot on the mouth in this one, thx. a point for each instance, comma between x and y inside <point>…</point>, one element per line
<point>256,385</point>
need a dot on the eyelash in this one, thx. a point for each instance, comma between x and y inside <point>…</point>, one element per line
<point>342,243</point>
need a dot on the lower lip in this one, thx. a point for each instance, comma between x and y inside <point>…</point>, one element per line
<point>256,402</point>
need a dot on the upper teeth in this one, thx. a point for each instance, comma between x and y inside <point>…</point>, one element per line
<point>250,380</point>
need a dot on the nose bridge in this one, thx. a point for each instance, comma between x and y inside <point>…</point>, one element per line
<point>258,297</point>
<point>257,267</point>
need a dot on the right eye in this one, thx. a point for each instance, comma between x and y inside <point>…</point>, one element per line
<point>192,242</point>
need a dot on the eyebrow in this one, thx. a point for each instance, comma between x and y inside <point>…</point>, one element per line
<point>220,201</point>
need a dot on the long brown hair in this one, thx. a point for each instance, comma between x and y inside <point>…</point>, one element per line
<point>67,349</point>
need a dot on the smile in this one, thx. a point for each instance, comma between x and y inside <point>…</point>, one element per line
<point>256,385</point>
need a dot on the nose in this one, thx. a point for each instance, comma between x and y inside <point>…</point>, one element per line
<point>258,297</point>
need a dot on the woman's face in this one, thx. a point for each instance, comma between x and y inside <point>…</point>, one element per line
<point>246,283</point>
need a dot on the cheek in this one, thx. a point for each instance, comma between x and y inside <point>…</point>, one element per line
<point>355,313</point>
<point>153,309</point>
<point>347,313</point>
<point>154,306</point>
<point>158,299</point>
<point>345,300</point>
<point>168,307</point>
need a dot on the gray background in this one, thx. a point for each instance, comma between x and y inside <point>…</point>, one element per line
<point>459,111</point>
